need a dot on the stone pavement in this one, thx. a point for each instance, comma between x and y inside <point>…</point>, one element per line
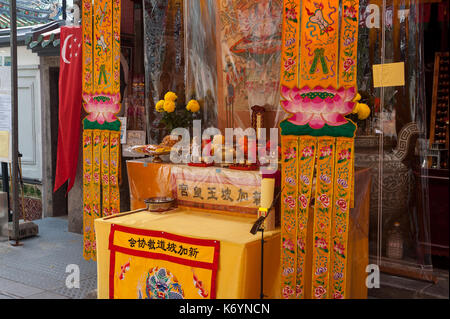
<point>37,270</point>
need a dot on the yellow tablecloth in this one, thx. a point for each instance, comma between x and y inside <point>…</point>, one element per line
<point>239,263</point>
<point>238,275</point>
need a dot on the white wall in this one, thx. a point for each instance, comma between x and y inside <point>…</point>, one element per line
<point>29,93</point>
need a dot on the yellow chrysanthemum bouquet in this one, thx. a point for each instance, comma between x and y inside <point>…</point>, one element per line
<point>174,117</point>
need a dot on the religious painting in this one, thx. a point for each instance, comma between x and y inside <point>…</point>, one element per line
<point>248,56</point>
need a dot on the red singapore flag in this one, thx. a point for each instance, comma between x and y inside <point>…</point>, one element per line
<point>70,90</point>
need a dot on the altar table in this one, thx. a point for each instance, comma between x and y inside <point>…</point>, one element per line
<point>238,275</point>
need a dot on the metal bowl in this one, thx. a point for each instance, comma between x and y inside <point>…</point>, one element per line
<point>159,204</point>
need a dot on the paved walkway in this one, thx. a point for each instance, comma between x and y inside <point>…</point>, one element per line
<point>37,269</point>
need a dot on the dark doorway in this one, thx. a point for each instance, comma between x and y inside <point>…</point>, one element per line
<point>59,197</point>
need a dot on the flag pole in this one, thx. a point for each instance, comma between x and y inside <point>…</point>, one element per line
<point>14,124</point>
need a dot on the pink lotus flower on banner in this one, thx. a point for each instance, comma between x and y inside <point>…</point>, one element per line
<point>318,106</point>
<point>319,292</point>
<point>287,292</point>
<point>102,108</point>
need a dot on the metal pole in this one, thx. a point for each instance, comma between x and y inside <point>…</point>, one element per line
<point>64,8</point>
<point>14,124</point>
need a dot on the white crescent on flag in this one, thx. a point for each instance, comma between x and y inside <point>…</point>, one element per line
<point>64,49</point>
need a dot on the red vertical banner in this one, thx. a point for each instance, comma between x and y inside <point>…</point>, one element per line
<point>69,105</point>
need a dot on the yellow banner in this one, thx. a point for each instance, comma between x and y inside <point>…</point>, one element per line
<point>149,264</point>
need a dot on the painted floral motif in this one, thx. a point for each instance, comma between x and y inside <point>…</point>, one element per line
<point>338,276</point>
<point>318,106</point>
<point>301,245</point>
<point>304,179</point>
<point>298,290</point>
<point>342,203</point>
<point>291,14</point>
<point>350,12</point>
<point>348,63</point>
<point>342,182</point>
<point>290,153</point>
<point>289,64</point>
<point>325,151</point>
<point>102,108</point>
<point>319,292</point>
<point>337,295</point>
<point>290,201</point>
<point>325,178</point>
<point>288,244</point>
<point>290,181</point>
<point>287,271</point>
<point>344,155</point>
<point>307,152</point>
<point>321,270</point>
<point>339,249</point>
<point>87,141</point>
<point>303,200</point>
<point>324,199</point>
<point>321,243</point>
<point>287,292</point>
